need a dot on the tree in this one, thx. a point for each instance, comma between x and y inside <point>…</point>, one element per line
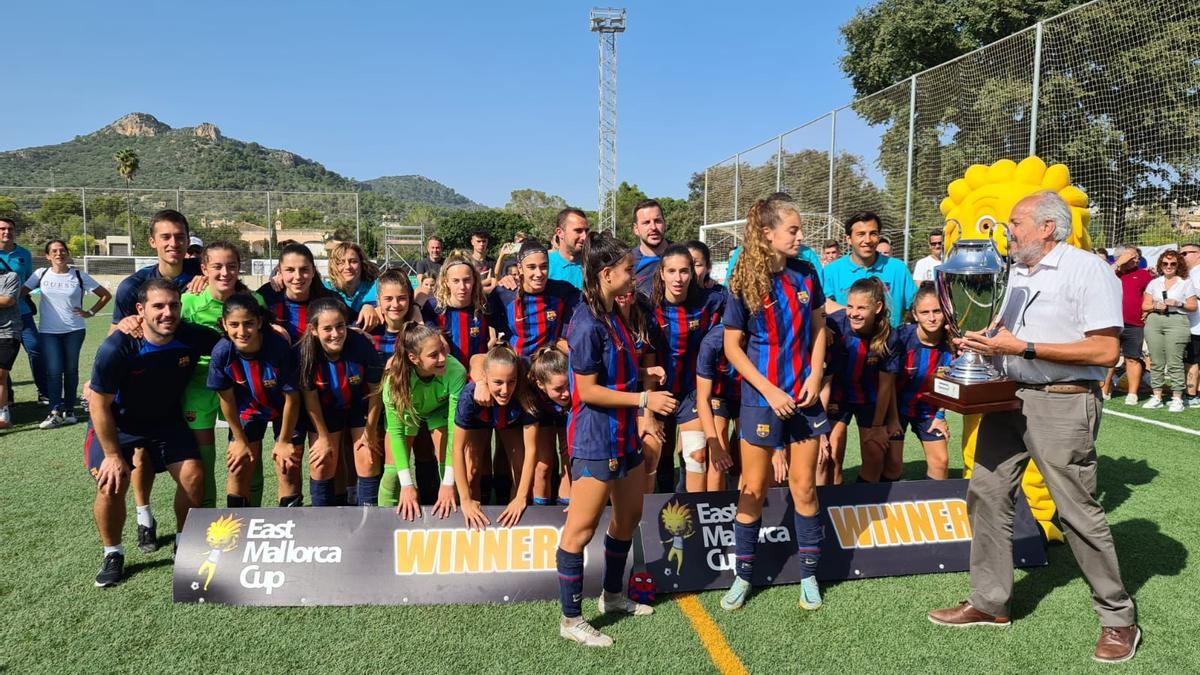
<point>10,209</point>
<point>57,207</point>
<point>457,227</point>
<point>127,167</point>
<point>537,208</point>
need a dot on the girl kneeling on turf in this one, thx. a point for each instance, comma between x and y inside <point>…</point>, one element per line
<point>511,415</point>
<point>925,349</point>
<point>775,339</point>
<point>550,371</point>
<point>253,372</point>
<point>602,435</point>
<point>718,402</point>
<point>423,384</point>
<point>339,375</point>
<point>865,358</point>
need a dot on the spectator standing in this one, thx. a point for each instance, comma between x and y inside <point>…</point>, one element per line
<point>1191,255</point>
<point>1168,299</point>
<point>431,264</point>
<point>571,229</point>
<point>862,231</point>
<point>923,270</point>
<point>831,250</point>
<point>62,327</point>
<point>10,334</point>
<point>18,259</point>
<point>1133,286</point>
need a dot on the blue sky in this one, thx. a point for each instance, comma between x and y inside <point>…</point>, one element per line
<point>485,97</point>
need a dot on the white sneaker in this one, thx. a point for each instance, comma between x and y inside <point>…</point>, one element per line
<point>578,630</point>
<point>1195,402</point>
<point>1176,405</point>
<point>52,421</point>
<point>1131,399</point>
<point>4,420</point>
<point>68,418</point>
<point>1153,403</point>
<point>1107,396</point>
<point>619,602</point>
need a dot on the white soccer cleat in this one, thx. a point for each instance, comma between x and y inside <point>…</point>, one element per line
<point>578,630</point>
<point>619,602</point>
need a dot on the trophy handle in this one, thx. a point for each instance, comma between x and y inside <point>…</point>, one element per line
<point>1007,235</point>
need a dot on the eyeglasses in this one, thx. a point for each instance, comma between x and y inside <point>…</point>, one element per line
<point>1170,264</point>
<point>935,244</point>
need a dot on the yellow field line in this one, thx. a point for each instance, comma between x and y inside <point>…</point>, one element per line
<point>722,655</point>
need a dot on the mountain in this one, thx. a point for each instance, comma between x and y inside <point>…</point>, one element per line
<point>419,189</point>
<point>198,157</point>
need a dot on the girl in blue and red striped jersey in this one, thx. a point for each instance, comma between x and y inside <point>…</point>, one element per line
<point>925,348</point>
<point>458,308</point>
<point>549,371</point>
<point>682,314</point>
<point>537,312</point>
<point>775,339</point>
<point>339,378</point>
<point>602,434</point>
<point>301,281</point>
<point>253,372</point>
<point>702,260</point>
<point>864,360</point>
<point>718,402</point>
<point>511,414</point>
<point>394,293</point>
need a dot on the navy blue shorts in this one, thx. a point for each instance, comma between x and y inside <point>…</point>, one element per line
<point>863,413</point>
<point>686,410</point>
<point>605,469</point>
<point>338,420</point>
<point>920,427</point>
<point>164,447</point>
<point>549,418</point>
<point>761,426</point>
<point>726,409</point>
<point>256,431</point>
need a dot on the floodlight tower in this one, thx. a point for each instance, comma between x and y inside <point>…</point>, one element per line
<point>607,22</point>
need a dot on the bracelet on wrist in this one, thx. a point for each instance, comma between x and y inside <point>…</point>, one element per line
<point>643,400</point>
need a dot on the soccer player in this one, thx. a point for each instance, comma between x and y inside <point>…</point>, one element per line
<point>302,284</point>
<point>718,404</point>
<point>602,434</point>
<point>395,295</point>
<point>339,372</point>
<point>511,414</point>
<point>536,313</point>
<point>864,359</point>
<point>138,389</point>
<point>422,385</point>
<point>459,309</point>
<point>682,313</point>
<point>926,348</point>
<point>550,372</point>
<point>865,260</point>
<point>253,373</point>
<point>702,259</point>
<point>776,308</point>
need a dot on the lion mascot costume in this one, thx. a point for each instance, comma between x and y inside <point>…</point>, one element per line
<point>977,202</point>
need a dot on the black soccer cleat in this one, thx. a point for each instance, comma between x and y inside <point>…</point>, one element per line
<point>112,572</point>
<point>148,538</point>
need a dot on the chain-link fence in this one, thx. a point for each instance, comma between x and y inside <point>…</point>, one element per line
<point>114,222</point>
<point>1111,89</point>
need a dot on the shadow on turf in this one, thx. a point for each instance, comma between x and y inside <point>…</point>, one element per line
<point>137,568</point>
<point>26,415</point>
<point>1143,550</point>
<point>1117,475</point>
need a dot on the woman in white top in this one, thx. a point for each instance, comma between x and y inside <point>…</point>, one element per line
<point>1167,300</point>
<point>61,327</point>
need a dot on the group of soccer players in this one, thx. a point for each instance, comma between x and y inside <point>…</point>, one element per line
<point>578,390</point>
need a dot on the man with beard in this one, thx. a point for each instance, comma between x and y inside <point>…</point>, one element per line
<point>650,228</point>
<point>571,229</point>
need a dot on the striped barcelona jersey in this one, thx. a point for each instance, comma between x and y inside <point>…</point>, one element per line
<point>259,381</point>
<point>681,328</point>
<point>779,335</point>
<point>530,322</point>
<point>854,368</point>
<point>470,415</point>
<point>466,330</point>
<point>346,383</point>
<point>384,341</point>
<point>711,364</point>
<point>603,347</point>
<point>291,314</point>
<point>920,366</point>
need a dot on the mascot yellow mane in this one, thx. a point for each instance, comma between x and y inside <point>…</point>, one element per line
<point>985,196</point>
<point>975,204</point>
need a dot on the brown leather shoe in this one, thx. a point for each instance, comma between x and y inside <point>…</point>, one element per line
<point>965,615</point>
<point>1117,644</point>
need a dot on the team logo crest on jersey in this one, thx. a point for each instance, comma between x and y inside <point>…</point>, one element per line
<point>355,379</point>
<point>222,537</point>
<point>551,315</point>
<point>189,415</point>
<point>763,430</point>
<point>268,383</point>
<point>678,522</point>
<point>694,324</point>
<point>802,296</point>
<point>474,331</point>
<point>716,403</point>
<point>872,359</point>
<point>185,361</point>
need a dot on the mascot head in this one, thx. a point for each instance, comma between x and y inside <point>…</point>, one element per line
<point>985,195</point>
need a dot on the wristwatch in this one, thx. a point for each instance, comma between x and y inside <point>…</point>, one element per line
<point>1030,353</point>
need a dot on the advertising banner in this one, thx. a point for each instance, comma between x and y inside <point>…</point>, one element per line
<point>369,556</point>
<point>871,530</point>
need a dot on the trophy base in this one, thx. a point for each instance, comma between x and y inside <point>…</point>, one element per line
<point>974,398</point>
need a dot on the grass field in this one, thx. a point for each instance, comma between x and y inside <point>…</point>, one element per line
<point>54,620</point>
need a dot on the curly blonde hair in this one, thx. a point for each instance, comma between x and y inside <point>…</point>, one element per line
<point>441,291</point>
<point>751,276</point>
<point>368,271</point>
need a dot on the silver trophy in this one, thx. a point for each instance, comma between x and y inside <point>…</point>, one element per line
<point>970,289</point>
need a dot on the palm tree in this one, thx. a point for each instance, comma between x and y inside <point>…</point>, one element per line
<point>127,166</point>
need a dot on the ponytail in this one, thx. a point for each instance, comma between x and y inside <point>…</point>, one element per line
<point>399,372</point>
<point>881,332</point>
<point>751,278</point>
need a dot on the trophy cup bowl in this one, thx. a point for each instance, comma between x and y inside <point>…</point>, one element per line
<point>970,289</point>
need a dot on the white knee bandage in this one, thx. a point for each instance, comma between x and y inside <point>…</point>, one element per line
<point>691,442</point>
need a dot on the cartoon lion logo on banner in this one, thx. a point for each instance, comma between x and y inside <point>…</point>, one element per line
<point>975,206</point>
